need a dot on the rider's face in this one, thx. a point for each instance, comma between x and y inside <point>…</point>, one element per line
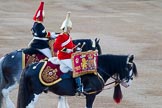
<point>69,29</point>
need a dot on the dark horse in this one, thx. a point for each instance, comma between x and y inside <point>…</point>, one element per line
<point>119,67</point>
<point>11,67</point>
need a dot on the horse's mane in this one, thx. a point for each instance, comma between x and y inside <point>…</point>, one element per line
<point>135,69</point>
<point>108,59</point>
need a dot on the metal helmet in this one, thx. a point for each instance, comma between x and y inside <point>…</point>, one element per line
<point>67,22</point>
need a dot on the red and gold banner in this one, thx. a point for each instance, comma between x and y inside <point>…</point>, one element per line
<point>84,63</point>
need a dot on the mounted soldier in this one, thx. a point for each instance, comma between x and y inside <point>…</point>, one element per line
<point>64,47</point>
<point>40,35</point>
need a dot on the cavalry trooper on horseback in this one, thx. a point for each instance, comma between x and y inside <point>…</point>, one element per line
<point>64,47</point>
<point>40,35</point>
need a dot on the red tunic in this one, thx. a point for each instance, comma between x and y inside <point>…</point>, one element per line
<point>62,41</point>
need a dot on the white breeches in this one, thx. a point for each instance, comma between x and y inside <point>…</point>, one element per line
<point>54,60</point>
<point>66,65</point>
<point>46,52</point>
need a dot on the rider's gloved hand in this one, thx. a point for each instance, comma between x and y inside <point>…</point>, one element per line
<point>78,49</point>
<point>69,50</point>
<point>53,35</point>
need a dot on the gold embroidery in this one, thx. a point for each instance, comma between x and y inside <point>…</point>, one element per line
<point>77,68</point>
<point>49,74</point>
<point>84,64</point>
<point>31,59</point>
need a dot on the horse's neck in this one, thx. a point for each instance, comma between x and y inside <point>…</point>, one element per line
<point>111,64</point>
<point>106,66</point>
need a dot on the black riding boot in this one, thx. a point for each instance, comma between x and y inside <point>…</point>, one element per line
<point>79,85</point>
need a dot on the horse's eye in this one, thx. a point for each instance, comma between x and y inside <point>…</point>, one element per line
<point>129,66</point>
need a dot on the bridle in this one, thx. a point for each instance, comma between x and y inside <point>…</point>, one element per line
<point>130,77</point>
<point>117,80</point>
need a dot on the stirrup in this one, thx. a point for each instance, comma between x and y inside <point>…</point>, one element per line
<point>80,90</point>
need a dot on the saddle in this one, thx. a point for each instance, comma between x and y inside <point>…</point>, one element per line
<point>50,73</point>
<point>31,55</point>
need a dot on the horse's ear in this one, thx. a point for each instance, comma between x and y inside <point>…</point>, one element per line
<point>130,58</point>
<point>97,40</point>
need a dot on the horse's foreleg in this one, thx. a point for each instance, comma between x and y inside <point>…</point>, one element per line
<point>32,103</point>
<point>5,93</point>
<point>89,100</point>
<point>62,103</point>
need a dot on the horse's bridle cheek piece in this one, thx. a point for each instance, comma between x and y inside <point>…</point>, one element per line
<point>126,82</point>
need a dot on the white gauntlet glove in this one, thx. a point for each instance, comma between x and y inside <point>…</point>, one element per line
<point>53,35</point>
<point>69,50</point>
<point>78,49</point>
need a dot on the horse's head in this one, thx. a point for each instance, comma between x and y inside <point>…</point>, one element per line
<point>126,76</point>
<point>119,67</point>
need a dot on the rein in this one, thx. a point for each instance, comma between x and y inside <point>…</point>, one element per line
<point>89,93</point>
<point>117,81</point>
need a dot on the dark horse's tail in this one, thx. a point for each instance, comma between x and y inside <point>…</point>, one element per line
<point>23,93</point>
<point>1,81</point>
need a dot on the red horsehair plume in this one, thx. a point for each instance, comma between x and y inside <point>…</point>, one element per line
<point>117,94</point>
